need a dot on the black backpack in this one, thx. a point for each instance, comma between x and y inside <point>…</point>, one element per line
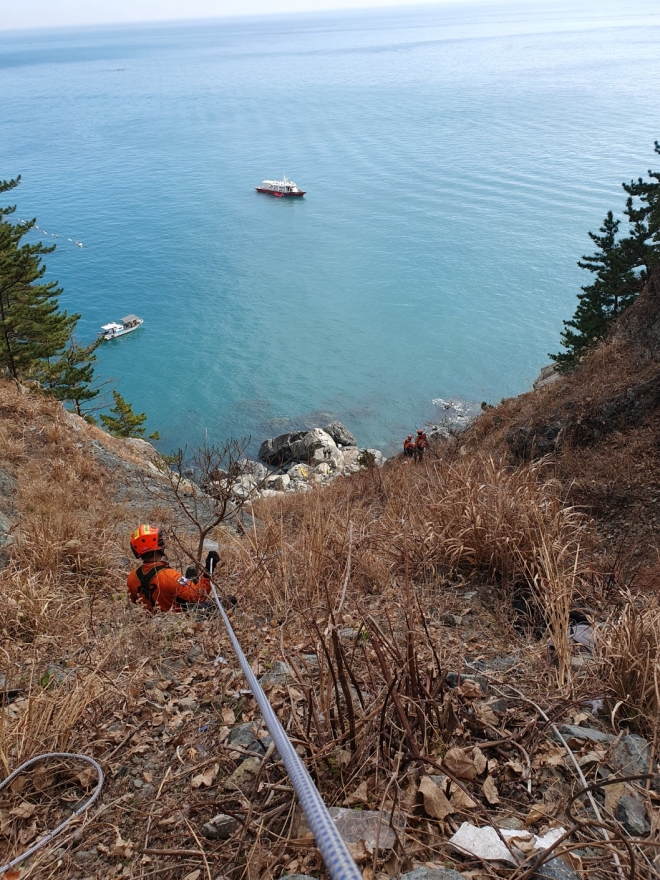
<point>145,589</point>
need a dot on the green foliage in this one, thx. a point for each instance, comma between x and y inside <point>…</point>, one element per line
<point>123,422</point>
<point>69,377</point>
<point>620,267</point>
<point>32,328</point>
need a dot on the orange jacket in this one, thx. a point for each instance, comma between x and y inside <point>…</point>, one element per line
<point>408,444</point>
<point>421,441</point>
<point>166,588</point>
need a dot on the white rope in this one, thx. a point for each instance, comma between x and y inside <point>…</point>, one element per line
<point>334,851</point>
<point>77,812</point>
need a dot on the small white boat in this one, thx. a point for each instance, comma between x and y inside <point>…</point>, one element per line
<point>128,324</point>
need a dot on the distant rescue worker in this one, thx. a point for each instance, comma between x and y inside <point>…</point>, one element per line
<point>157,585</point>
<point>408,446</point>
<point>420,445</point>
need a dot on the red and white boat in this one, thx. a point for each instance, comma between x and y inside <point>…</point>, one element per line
<point>282,189</point>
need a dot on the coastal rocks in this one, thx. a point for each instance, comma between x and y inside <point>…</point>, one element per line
<point>306,458</point>
<point>278,450</point>
<point>298,472</point>
<point>340,434</point>
<point>547,376</point>
<point>316,446</point>
<point>278,482</point>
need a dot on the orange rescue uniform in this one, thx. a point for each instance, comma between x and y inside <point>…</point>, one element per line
<point>167,589</point>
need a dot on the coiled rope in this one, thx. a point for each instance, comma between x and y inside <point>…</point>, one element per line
<point>336,856</point>
<point>77,812</point>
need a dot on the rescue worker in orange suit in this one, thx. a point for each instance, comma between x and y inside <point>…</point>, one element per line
<point>408,446</point>
<point>157,585</point>
<point>420,445</point>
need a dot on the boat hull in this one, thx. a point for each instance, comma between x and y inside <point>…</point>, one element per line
<point>280,195</point>
<point>109,336</point>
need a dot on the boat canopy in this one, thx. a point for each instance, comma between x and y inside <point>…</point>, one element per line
<point>130,319</point>
<point>112,327</point>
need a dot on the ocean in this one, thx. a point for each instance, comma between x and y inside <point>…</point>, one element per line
<point>454,159</point>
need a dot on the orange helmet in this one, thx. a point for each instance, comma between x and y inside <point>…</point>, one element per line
<point>419,431</point>
<point>146,539</point>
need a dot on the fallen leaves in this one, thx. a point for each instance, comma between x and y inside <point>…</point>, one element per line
<point>205,779</point>
<point>436,802</point>
<point>24,810</point>
<point>459,764</point>
<point>490,791</point>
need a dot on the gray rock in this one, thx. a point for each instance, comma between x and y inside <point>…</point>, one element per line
<point>280,674</point>
<point>243,735</point>
<point>453,678</point>
<point>241,778</point>
<point>255,469</point>
<point>367,825</point>
<point>556,869</point>
<point>278,449</point>
<point>86,855</point>
<point>278,482</point>
<point>316,446</point>
<point>220,827</point>
<point>572,731</point>
<point>547,376</point>
<point>450,619</point>
<point>631,813</point>
<point>348,634</point>
<point>340,434</point>
<point>498,705</point>
<point>510,823</point>
<point>299,472</point>
<point>631,755</point>
<point>432,874</point>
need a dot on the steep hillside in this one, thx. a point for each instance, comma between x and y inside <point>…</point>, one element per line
<point>601,427</point>
<point>410,624</point>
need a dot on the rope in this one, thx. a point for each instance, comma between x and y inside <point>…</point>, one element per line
<point>336,856</point>
<point>77,812</point>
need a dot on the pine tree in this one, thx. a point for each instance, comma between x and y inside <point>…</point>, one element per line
<point>614,288</point>
<point>32,328</point>
<point>69,377</point>
<point>621,267</point>
<point>123,422</point>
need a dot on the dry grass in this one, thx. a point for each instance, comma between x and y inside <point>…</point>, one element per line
<point>629,662</point>
<point>384,553</point>
<point>468,516</point>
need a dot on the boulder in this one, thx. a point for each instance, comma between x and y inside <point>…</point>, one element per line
<point>340,434</point>
<point>351,458</point>
<point>314,446</point>
<point>255,469</point>
<point>547,376</point>
<point>278,482</point>
<point>298,472</point>
<point>278,450</point>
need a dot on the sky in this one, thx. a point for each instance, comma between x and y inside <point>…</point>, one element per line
<point>23,14</point>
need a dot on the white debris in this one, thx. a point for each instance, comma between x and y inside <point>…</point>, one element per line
<point>486,843</point>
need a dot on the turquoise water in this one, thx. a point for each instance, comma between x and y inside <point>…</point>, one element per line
<point>454,159</point>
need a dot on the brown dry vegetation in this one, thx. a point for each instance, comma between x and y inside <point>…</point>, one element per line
<point>371,590</point>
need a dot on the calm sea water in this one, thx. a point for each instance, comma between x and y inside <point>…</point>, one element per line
<point>454,159</point>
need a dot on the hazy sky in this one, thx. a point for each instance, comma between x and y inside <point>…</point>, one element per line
<point>56,13</point>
